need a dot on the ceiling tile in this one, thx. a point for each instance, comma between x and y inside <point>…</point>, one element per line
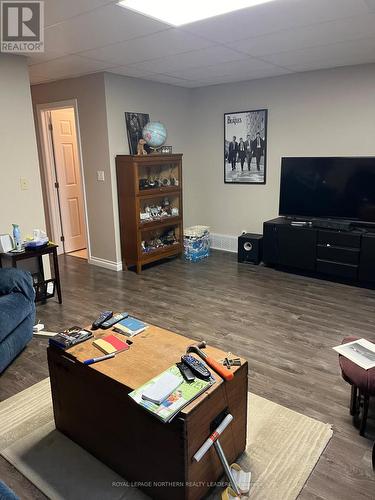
<point>56,11</point>
<point>67,66</point>
<point>165,43</point>
<point>39,57</point>
<point>309,36</point>
<point>337,54</point>
<point>370,4</point>
<point>168,79</point>
<point>244,68</point>
<point>274,16</point>
<point>109,24</point>
<point>196,58</point>
<point>128,71</point>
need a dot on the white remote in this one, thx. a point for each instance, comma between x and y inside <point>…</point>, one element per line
<point>162,388</point>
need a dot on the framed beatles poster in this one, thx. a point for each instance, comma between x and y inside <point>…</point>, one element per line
<point>245,147</point>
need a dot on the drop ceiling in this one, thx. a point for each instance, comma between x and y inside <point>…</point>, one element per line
<point>276,38</point>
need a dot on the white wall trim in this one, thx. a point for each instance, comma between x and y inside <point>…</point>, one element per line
<point>224,242</point>
<point>107,264</point>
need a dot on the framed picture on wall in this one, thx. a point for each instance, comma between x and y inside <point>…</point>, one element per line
<point>134,126</point>
<point>245,147</point>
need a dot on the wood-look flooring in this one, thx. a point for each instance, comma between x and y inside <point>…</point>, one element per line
<point>284,324</point>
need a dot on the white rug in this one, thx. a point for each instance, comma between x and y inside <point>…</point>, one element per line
<point>283,449</point>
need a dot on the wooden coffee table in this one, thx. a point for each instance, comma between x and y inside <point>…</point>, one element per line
<point>92,407</point>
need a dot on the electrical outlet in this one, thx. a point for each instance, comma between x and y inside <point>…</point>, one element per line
<point>100,175</point>
<point>24,183</point>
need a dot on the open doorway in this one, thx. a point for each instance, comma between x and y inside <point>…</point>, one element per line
<point>63,177</point>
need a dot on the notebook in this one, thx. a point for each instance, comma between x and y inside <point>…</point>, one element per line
<point>130,326</point>
<point>110,344</point>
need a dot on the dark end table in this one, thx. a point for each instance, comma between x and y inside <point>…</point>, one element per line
<point>50,249</point>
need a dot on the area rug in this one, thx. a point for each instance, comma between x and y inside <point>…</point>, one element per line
<point>283,448</point>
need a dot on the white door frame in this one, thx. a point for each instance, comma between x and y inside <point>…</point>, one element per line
<point>49,169</point>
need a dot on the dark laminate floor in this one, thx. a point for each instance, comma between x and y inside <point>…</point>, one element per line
<point>284,324</point>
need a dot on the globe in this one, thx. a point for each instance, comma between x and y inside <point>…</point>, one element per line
<point>155,134</point>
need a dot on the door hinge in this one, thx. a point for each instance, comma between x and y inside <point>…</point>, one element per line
<point>50,126</point>
<point>57,185</point>
<point>62,238</point>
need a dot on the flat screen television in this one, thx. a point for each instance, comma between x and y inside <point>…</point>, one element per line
<point>328,187</point>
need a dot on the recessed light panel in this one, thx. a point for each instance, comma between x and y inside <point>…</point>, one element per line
<point>184,12</point>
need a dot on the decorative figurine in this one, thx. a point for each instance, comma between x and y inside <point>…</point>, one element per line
<point>141,148</point>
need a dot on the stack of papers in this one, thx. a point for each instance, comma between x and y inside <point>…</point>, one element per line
<point>178,399</point>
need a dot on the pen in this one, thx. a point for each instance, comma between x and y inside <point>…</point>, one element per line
<point>101,358</point>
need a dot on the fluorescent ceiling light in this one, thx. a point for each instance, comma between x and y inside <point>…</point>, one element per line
<point>177,13</point>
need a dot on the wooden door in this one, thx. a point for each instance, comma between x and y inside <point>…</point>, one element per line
<point>68,173</point>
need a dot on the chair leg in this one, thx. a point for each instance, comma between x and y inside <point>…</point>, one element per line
<point>362,428</point>
<point>353,400</point>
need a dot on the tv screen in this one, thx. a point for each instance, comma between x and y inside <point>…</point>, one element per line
<point>331,187</point>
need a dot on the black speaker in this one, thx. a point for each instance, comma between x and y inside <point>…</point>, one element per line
<point>250,248</point>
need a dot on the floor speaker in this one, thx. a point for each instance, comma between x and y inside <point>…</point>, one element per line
<point>250,248</point>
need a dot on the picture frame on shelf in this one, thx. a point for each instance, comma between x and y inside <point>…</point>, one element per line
<point>134,126</point>
<point>245,147</point>
<point>166,150</point>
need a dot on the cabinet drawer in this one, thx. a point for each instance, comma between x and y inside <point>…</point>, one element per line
<point>338,239</point>
<point>337,269</point>
<point>338,254</point>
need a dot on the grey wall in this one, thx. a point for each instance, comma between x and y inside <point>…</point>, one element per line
<point>165,103</point>
<point>90,95</point>
<point>18,152</point>
<point>329,112</point>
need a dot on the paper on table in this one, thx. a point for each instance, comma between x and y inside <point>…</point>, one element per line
<point>361,352</point>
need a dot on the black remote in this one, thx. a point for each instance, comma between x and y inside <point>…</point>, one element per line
<point>196,366</point>
<point>186,372</point>
<point>104,316</point>
<point>114,319</point>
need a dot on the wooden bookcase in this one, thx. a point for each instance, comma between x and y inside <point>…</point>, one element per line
<point>137,236</point>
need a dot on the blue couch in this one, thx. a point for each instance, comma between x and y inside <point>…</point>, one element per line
<point>17,313</point>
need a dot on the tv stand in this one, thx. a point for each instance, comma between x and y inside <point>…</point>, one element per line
<point>339,225</point>
<point>328,251</point>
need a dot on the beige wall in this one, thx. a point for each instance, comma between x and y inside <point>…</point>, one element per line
<point>164,103</point>
<point>90,95</point>
<point>328,112</point>
<point>18,152</point>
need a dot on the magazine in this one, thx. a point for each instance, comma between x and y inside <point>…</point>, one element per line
<point>361,352</point>
<point>182,396</point>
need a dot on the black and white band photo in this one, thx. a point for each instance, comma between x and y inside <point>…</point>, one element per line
<point>134,126</point>
<point>245,147</point>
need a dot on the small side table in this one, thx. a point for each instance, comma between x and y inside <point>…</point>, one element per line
<point>50,249</point>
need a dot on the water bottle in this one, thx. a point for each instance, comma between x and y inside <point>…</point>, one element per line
<point>17,237</point>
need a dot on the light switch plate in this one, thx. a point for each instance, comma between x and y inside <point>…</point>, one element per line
<point>100,175</point>
<point>24,183</point>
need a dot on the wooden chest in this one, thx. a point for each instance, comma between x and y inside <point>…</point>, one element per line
<point>92,407</point>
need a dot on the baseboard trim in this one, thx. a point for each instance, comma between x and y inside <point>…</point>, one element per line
<point>224,242</point>
<point>107,264</point>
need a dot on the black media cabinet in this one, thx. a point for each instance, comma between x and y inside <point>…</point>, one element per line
<point>344,255</point>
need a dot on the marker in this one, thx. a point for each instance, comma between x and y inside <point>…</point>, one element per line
<point>96,360</point>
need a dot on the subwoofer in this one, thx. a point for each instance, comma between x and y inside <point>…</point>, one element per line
<point>250,248</point>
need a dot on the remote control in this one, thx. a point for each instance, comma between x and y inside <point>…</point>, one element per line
<point>104,316</point>
<point>196,366</point>
<point>114,319</point>
<point>185,372</point>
